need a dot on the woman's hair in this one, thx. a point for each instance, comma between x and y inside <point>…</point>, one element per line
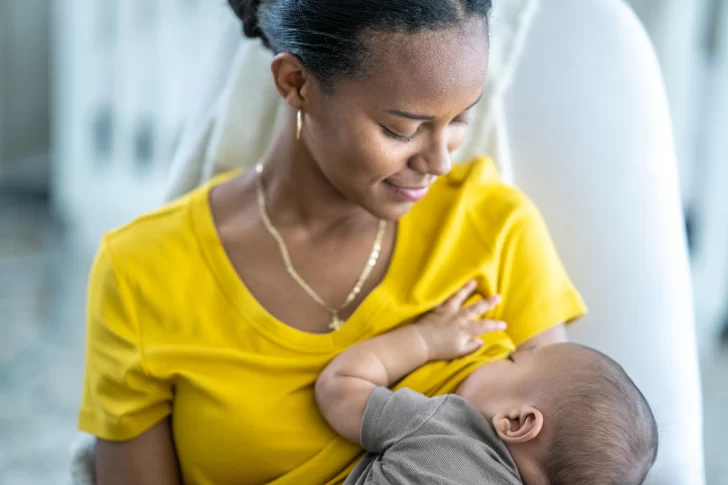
<point>328,35</point>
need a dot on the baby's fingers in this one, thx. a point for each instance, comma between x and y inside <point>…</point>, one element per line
<point>455,302</point>
<point>472,345</point>
<point>481,327</point>
<point>480,308</point>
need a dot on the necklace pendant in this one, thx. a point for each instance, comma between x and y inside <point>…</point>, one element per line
<point>336,322</point>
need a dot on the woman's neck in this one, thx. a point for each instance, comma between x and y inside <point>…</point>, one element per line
<point>298,194</point>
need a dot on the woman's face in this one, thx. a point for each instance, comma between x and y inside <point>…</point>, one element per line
<point>383,138</point>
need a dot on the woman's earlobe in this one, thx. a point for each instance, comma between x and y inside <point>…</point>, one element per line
<point>518,425</point>
<point>290,79</point>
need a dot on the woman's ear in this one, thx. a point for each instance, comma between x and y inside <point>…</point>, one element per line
<point>518,425</point>
<point>291,78</point>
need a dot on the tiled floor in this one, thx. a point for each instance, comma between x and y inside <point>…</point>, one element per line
<point>42,286</point>
<point>42,293</point>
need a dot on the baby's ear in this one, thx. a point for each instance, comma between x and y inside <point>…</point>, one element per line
<point>518,425</point>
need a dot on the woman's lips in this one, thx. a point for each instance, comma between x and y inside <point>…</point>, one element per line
<point>410,194</point>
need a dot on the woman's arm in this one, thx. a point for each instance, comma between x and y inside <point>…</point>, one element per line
<point>149,459</point>
<point>554,335</point>
<point>123,403</point>
<point>538,295</point>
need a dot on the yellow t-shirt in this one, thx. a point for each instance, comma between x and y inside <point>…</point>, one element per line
<point>172,329</point>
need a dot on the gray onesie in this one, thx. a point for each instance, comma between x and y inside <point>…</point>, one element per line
<point>414,439</point>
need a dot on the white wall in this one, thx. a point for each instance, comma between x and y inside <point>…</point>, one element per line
<point>125,70</point>
<point>691,40</point>
<point>711,183</point>
<point>677,29</point>
<point>24,93</point>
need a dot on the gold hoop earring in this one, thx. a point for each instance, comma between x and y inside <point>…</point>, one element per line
<point>299,122</point>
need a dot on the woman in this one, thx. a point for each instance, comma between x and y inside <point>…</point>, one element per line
<point>210,319</point>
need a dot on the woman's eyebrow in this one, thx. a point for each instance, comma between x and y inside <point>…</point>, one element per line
<point>418,117</point>
<point>411,116</point>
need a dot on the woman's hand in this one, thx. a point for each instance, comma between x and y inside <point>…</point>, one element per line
<point>451,330</point>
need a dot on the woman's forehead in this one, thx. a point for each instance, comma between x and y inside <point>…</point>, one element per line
<point>426,67</point>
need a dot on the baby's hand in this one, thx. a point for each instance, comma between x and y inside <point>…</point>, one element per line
<point>451,331</point>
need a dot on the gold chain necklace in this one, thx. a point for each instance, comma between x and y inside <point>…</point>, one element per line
<point>336,321</point>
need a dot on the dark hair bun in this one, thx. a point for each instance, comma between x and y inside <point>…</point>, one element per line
<point>247,11</point>
<point>326,34</point>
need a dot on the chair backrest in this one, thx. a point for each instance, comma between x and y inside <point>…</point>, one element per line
<point>592,145</point>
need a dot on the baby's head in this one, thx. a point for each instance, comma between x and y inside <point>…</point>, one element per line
<point>568,414</point>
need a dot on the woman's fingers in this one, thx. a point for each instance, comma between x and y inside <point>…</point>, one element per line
<point>455,302</point>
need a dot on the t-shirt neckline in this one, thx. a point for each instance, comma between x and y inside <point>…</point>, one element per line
<point>256,315</point>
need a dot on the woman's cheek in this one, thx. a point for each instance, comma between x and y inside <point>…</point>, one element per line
<point>382,158</point>
<point>456,136</point>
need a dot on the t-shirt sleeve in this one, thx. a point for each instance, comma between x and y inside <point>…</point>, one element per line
<point>121,399</point>
<point>391,416</point>
<point>536,290</point>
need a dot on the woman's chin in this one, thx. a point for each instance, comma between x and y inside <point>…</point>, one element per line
<point>391,211</point>
<point>386,206</point>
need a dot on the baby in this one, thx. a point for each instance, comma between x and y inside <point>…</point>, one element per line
<point>561,414</point>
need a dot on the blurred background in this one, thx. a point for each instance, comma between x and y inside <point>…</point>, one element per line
<point>92,101</point>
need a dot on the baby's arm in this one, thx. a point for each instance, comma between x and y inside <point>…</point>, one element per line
<point>448,332</point>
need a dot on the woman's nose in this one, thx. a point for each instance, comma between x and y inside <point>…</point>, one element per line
<point>441,163</point>
<point>435,160</point>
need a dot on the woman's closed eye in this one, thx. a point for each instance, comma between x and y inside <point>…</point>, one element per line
<point>408,138</point>
<point>510,357</point>
<point>463,119</point>
<point>397,136</point>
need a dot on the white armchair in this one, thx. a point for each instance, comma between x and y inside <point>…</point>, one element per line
<point>592,145</point>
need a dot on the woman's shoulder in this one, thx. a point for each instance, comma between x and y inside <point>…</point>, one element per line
<point>475,191</point>
<point>148,235</point>
<point>166,237</point>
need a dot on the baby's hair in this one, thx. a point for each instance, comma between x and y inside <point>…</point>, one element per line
<point>604,431</point>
